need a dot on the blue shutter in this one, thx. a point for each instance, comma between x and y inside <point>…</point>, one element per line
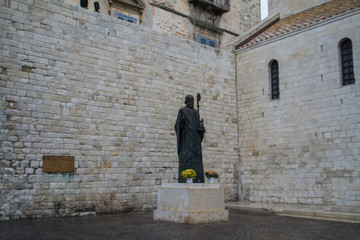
<point>212,43</point>
<point>201,39</point>
<point>206,41</point>
<point>124,17</point>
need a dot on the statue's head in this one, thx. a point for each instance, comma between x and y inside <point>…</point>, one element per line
<point>189,101</point>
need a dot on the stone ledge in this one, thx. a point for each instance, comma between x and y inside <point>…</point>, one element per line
<point>321,212</point>
<point>191,185</point>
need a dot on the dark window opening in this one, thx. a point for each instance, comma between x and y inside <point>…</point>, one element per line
<point>84,3</point>
<point>275,90</point>
<point>96,6</point>
<point>347,63</point>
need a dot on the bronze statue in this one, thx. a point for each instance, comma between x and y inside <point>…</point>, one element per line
<point>190,132</point>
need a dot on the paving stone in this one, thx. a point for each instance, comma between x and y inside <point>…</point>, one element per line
<point>243,225</point>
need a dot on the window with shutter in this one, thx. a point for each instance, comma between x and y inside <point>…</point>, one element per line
<point>124,17</point>
<point>207,41</point>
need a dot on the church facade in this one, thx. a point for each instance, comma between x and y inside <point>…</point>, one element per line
<point>298,106</point>
<point>89,101</point>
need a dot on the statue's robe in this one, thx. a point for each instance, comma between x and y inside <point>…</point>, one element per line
<point>189,138</point>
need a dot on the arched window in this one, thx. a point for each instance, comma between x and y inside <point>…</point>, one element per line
<point>274,75</point>
<point>347,62</point>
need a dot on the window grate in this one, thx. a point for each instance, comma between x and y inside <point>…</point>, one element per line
<point>275,90</point>
<point>347,63</point>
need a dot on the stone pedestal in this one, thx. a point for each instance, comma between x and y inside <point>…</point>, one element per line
<point>191,203</point>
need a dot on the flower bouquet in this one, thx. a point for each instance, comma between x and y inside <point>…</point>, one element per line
<point>189,174</point>
<point>211,175</point>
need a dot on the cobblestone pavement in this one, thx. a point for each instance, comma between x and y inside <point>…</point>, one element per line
<point>242,225</point>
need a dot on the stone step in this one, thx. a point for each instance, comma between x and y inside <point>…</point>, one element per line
<point>330,213</point>
<point>330,216</point>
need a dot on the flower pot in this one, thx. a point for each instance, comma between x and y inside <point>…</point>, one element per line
<point>211,180</point>
<point>189,180</point>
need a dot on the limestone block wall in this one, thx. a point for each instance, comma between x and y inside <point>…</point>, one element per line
<point>242,16</point>
<point>170,23</point>
<point>83,84</point>
<point>104,4</point>
<point>304,147</point>
<point>175,19</point>
<point>289,7</point>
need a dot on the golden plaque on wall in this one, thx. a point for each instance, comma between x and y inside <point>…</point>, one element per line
<point>58,164</point>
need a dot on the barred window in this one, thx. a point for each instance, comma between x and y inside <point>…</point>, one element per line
<point>347,63</point>
<point>274,74</point>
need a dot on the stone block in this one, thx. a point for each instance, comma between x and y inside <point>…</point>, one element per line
<point>191,203</point>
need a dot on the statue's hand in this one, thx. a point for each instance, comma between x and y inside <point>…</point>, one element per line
<point>182,118</point>
<point>202,128</point>
<point>182,114</point>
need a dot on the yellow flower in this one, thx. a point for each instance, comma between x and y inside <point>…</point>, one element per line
<point>188,173</point>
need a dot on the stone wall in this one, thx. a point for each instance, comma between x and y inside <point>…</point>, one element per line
<point>174,18</point>
<point>170,23</point>
<point>304,147</point>
<point>289,7</point>
<point>83,84</point>
<point>242,16</point>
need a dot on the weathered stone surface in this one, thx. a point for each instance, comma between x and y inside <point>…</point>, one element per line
<point>302,148</point>
<point>191,203</point>
<point>286,7</point>
<point>175,17</point>
<point>83,84</point>
<point>106,92</point>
